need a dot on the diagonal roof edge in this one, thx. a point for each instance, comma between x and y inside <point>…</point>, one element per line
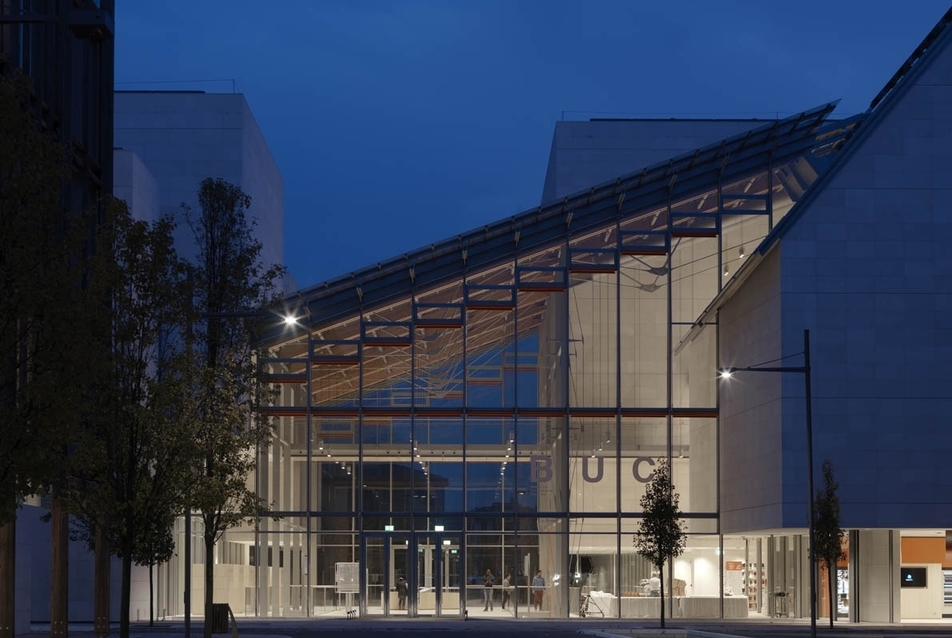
<point>924,47</point>
<point>888,97</point>
<point>675,176</point>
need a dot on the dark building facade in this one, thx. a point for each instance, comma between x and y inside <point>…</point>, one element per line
<point>67,48</point>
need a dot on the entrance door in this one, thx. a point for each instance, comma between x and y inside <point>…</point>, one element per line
<point>385,561</point>
<point>438,574</point>
<point>428,564</point>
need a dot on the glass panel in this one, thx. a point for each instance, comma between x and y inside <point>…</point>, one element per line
<point>502,275</point>
<point>386,375</point>
<point>335,385</point>
<point>694,276</point>
<point>699,524</point>
<point>448,576</point>
<point>643,442</point>
<point>593,343</point>
<point>438,449</point>
<point>375,573</point>
<point>740,234</point>
<point>334,372</point>
<point>542,328</point>
<point>489,468</point>
<point>593,466</point>
<point>542,471</point>
<point>281,565</point>
<point>448,293</point>
<point>490,305</point>
<point>389,487</point>
<point>488,343</point>
<point>335,542</point>
<point>484,557</point>
<point>694,366</point>
<point>695,215</point>
<point>645,233</point>
<point>549,597</point>
<point>592,561</point>
<point>751,185</point>
<point>695,446</point>
<point>639,593</point>
<point>523,362</point>
<point>438,353</point>
<point>644,330</point>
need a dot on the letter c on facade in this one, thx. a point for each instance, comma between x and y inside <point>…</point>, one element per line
<point>636,469</point>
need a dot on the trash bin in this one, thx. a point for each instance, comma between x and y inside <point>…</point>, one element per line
<point>219,618</point>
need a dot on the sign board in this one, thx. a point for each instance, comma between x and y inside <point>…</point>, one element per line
<point>347,578</point>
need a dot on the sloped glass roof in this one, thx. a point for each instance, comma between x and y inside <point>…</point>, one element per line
<point>630,197</point>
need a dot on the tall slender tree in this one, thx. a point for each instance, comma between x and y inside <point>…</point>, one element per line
<point>231,285</point>
<point>133,452</point>
<point>39,281</point>
<point>827,533</point>
<point>661,536</point>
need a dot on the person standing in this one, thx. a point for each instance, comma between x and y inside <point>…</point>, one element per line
<point>488,582</point>
<point>538,589</point>
<point>402,590</point>
<point>506,589</point>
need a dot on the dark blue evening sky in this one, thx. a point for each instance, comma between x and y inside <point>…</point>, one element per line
<point>399,123</point>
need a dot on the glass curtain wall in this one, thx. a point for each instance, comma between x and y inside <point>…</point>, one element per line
<point>507,420</point>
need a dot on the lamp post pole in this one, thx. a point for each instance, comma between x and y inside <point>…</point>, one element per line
<point>812,518</point>
<point>805,370</point>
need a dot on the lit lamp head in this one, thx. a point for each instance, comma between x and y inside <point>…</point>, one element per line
<point>290,320</point>
<point>725,373</point>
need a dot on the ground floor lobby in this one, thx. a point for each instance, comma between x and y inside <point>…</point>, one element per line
<point>285,575</point>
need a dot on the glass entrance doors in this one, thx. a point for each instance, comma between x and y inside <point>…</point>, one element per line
<point>411,574</point>
<point>438,572</point>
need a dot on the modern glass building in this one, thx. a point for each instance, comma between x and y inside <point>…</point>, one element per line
<point>498,401</point>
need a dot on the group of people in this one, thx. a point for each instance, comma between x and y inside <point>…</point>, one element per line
<point>537,589</point>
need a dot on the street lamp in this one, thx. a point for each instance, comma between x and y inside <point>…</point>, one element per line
<point>727,373</point>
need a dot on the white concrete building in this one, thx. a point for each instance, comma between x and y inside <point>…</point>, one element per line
<point>183,137</point>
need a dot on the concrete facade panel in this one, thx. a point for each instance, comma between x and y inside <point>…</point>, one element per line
<point>751,446</point>
<point>184,137</point>
<point>876,332</point>
<point>585,154</point>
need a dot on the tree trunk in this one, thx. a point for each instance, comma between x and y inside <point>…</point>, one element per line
<point>101,580</point>
<point>151,599</point>
<point>59,570</point>
<point>8,578</point>
<point>831,576</point>
<point>126,596</point>
<point>209,580</point>
<point>661,583</point>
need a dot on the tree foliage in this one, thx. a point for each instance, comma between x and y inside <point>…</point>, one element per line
<point>828,536</point>
<point>39,282</point>
<point>134,449</point>
<point>661,536</point>
<point>230,286</point>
